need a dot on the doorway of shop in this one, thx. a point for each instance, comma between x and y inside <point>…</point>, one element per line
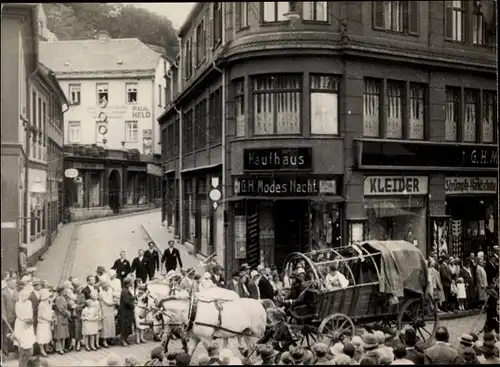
<point>114,191</point>
<point>291,228</point>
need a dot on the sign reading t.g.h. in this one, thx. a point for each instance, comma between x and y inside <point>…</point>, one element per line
<point>140,112</point>
<point>396,185</point>
<point>277,159</point>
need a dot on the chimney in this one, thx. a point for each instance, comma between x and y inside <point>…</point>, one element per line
<point>103,36</point>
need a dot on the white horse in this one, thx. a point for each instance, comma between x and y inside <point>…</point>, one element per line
<point>220,317</point>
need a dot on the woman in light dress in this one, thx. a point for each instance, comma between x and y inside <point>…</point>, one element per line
<point>44,326</point>
<point>24,332</point>
<point>63,315</point>
<point>335,279</point>
<point>206,282</point>
<point>108,304</point>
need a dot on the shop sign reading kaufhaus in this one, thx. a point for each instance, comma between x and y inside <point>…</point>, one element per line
<point>470,185</point>
<point>277,159</point>
<point>395,185</point>
<point>281,186</point>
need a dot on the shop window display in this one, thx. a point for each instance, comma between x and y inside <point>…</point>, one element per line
<point>397,219</point>
<point>325,225</point>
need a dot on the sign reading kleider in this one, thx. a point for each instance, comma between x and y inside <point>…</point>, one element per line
<point>470,185</point>
<point>396,185</point>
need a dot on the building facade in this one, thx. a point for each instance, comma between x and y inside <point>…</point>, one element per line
<point>333,122</point>
<point>109,137</point>
<point>32,108</point>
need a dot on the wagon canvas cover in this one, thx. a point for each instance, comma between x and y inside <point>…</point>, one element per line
<point>402,267</point>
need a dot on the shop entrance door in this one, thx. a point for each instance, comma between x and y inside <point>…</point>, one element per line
<point>291,228</point>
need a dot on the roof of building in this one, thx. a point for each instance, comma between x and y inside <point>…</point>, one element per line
<point>50,78</point>
<point>112,55</point>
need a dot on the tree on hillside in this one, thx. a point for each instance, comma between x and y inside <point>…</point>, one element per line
<point>83,21</point>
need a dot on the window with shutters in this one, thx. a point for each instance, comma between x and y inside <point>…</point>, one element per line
<point>395,105</point>
<point>217,24</point>
<point>277,104</point>
<point>397,16</point>
<point>452,113</point>
<point>454,19</point>
<point>187,132</point>
<point>242,15</point>
<point>324,104</point>
<point>132,92</point>
<point>200,135</point>
<point>417,112</point>
<point>102,93</point>
<point>470,116</point>
<point>316,11</point>
<point>239,102</point>
<point>188,62</point>
<point>215,113</point>
<point>200,43</point>
<point>371,108</point>
<point>274,11</point>
<point>489,124</point>
<point>75,94</point>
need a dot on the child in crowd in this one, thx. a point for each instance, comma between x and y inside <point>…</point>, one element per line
<point>453,292</point>
<point>461,293</point>
<point>140,312</point>
<point>90,325</point>
<point>335,279</point>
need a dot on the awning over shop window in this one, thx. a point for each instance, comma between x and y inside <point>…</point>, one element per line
<point>394,207</point>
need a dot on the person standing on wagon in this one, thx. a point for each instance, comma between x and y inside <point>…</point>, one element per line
<point>171,257</point>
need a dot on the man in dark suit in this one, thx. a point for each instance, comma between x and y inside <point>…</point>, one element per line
<point>217,277</point>
<point>90,286</point>
<point>235,285</point>
<point>446,279</point>
<point>265,288</point>
<point>122,267</point>
<point>441,352</point>
<point>171,257</point>
<point>252,287</point>
<point>153,259</point>
<point>140,267</point>
<point>9,299</point>
<point>35,300</point>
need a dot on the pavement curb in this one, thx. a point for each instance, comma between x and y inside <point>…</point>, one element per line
<point>458,315</point>
<point>115,216</point>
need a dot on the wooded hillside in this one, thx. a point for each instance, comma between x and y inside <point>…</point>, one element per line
<point>83,20</point>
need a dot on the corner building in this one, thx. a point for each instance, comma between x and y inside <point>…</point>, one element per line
<point>330,123</point>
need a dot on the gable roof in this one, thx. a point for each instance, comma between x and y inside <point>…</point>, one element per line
<point>98,56</point>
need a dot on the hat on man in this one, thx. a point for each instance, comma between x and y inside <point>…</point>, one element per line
<point>369,340</point>
<point>380,336</point>
<point>31,270</point>
<point>356,341</point>
<point>268,352</point>
<point>36,281</point>
<point>320,348</point>
<point>297,355</point>
<point>260,268</point>
<point>253,273</point>
<point>245,266</point>
<point>182,359</point>
<point>466,339</point>
<point>25,279</point>
<point>23,246</point>
<point>100,269</point>
<point>337,349</point>
<point>488,347</point>
<point>157,353</point>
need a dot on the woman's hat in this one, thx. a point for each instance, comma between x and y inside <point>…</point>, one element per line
<point>337,349</point>
<point>380,336</point>
<point>100,269</point>
<point>25,279</point>
<point>369,340</point>
<point>466,339</point>
<point>320,348</point>
<point>254,273</point>
<point>356,341</point>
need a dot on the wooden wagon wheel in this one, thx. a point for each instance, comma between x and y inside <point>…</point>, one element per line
<point>418,313</point>
<point>336,325</point>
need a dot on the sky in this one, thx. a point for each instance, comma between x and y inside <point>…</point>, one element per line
<point>176,12</point>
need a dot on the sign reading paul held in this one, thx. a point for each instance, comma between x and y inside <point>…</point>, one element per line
<point>396,185</point>
<point>470,185</point>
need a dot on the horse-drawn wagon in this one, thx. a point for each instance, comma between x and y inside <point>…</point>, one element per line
<point>387,290</point>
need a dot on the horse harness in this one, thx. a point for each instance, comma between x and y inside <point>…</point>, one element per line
<point>219,307</point>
